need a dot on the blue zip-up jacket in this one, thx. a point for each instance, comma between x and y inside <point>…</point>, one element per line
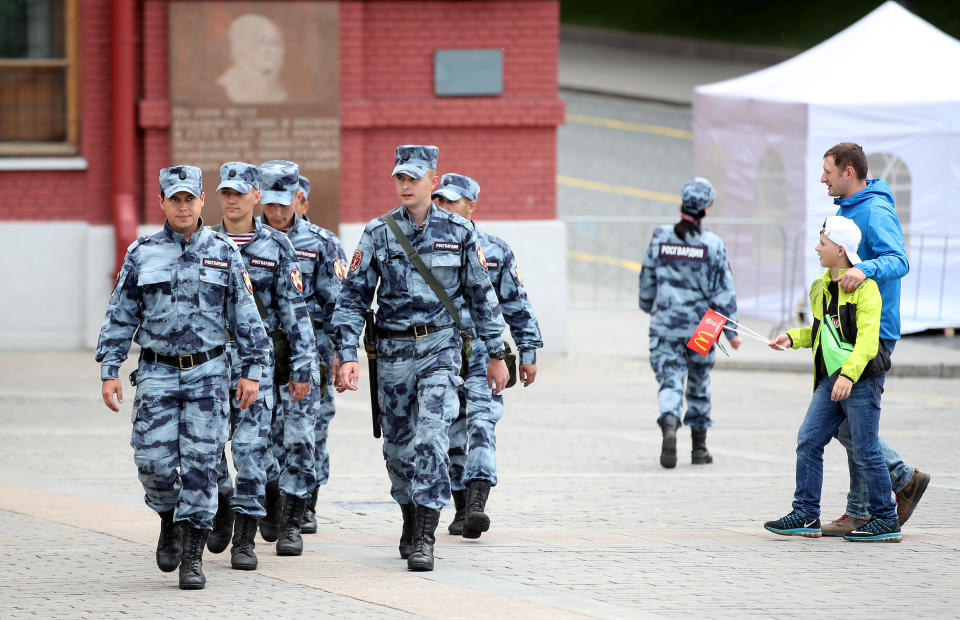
<point>882,254</point>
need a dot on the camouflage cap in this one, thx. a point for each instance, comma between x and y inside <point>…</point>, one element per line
<point>305,186</point>
<point>414,160</point>
<point>239,176</point>
<point>453,187</point>
<point>279,182</point>
<point>181,179</point>
<point>697,195</point>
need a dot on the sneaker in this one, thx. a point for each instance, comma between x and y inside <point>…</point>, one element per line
<point>909,496</point>
<point>844,524</point>
<point>794,525</point>
<point>876,530</point>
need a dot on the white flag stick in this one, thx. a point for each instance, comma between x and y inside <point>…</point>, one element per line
<point>755,333</point>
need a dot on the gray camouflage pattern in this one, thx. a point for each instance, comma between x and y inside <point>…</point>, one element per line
<point>279,182</point>
<point>271,262</point>
<point>696,195</point>
<point>177,297</point>
<point>679,281</point>
<point>415,159</point>
<point>453,187</point>
<point>418,377</point>
<point>181,179</point>
<point>239,176</point>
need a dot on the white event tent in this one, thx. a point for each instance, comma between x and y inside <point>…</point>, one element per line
<point>889,83</point>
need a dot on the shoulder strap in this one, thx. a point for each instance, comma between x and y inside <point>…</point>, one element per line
<point>422,268</point>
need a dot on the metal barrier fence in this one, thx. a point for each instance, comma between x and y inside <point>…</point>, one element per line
<point>605,254</point>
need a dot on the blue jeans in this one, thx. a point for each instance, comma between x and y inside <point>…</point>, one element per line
<point>861,410</point>
<point>900,473</point>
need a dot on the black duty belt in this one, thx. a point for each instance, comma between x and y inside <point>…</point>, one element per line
<point>185,361</point>
<point>416,331</point>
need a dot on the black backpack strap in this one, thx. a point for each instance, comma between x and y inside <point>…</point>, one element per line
<point>422,268</point>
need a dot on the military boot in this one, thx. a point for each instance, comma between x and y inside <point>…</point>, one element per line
<point>309,523</point>
<point>219,538</point>
<point>668,450</point>
<point>270,524</point>
<point>168,546</point>
<point>191,559</point>
<point>460,503</point>
<point>421,558</point>
<point>242,556</point>
<point>290,542</point>
<point>475,522</point>
<point>409,526</point>
<point>700,455</point>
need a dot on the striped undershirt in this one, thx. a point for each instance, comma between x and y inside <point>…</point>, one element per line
<point>242,239</point>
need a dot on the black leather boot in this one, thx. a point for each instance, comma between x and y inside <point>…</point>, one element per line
<point>475,521</point>
<point>421,558</point>
<point>219,538</point>
<point>168,546</point>
<point>409,526</point>
<point>700,455</point>
<point>273,502</point>
<point>668,450</point>
<point>309,523</point>
<point>191,559</point>
<point>242,556</point>
<point>460,503</point>
<point>290,542</point>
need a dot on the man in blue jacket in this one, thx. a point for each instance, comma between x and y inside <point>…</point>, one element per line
<point>869,203</point>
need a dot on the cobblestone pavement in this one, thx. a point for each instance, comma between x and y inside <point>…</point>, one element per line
<point>585,522</point>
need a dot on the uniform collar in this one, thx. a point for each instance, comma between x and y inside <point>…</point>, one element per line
<point>180,238</point>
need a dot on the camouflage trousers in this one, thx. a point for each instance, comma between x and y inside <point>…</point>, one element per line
<point>324,409</point>
<point>249,441</point>
<point>180,424</point>
<point>292,451</point>
<point>672,363</point>
<point>473,444</point>
<point>419,382</point>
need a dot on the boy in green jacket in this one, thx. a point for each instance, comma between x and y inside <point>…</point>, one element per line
<point>843,389</point>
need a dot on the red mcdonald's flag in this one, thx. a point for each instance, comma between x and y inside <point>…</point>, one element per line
<point>706,332</point>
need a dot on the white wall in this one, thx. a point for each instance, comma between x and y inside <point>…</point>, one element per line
<point>57,278</point>
<point>541,250</point>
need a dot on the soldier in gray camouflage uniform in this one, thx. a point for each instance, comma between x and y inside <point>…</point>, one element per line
<point>473,444</point>
<point>685,272</point>
<point>419,349</point>
<point>180,291</point>
<point>275,276</point>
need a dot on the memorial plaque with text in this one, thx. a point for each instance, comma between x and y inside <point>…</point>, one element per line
<point>254,81</point>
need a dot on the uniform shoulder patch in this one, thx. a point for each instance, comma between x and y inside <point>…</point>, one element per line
<point>683,251</point>
<point>246,280</point>
<point>357,259</point>
<point>297,279</point>
<point>338,268</point>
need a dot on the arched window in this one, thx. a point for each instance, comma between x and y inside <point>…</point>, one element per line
<point>771,204</point>
<point>894,171</point>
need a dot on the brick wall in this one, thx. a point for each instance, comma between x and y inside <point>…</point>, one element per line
<point>74,195</point>
<point>508,143</point>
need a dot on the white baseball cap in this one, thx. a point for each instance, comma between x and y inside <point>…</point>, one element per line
<point>844,232</point>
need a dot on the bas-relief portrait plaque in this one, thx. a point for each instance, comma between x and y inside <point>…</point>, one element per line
<point>254,81</point>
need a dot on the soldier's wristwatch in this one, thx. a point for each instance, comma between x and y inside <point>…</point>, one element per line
<point>498,355</point>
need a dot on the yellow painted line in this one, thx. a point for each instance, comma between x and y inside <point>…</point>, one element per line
<point>618,189</point>
<point>612,123</point>
<point>605,260</point>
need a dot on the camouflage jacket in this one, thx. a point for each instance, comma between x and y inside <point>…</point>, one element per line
<point>323,265</point>
<point>514,303</point>
<point>179,297</point>
<point>277,282</point>
<point>448,245</point>
<point>681,278</point>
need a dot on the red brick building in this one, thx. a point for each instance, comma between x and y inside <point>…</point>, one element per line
<point>110,91</point>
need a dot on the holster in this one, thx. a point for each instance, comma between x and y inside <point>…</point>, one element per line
<point>466,352</point>
<point>511,360</point>
<point>324,382</point>
<point>281,355</point>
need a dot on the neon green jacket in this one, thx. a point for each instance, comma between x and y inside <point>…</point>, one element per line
<point>859,314</point>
